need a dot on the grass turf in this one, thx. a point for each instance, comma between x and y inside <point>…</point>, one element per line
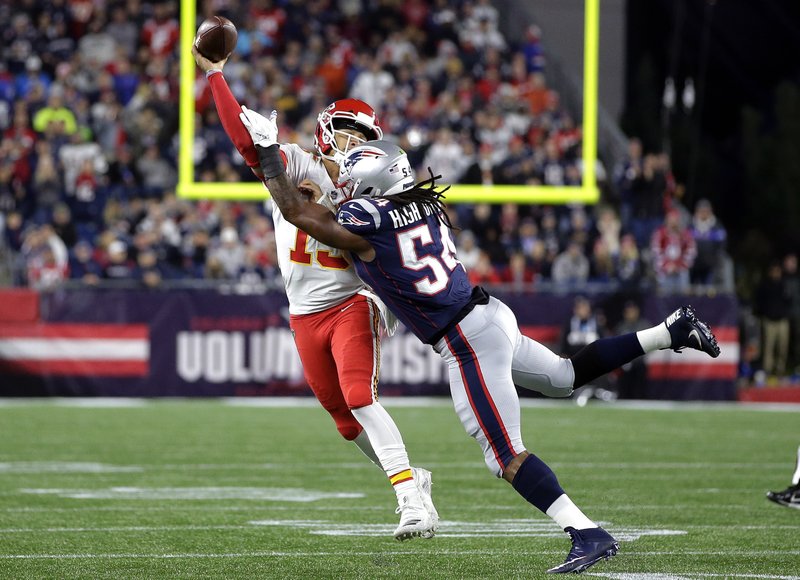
<point>172,489</point>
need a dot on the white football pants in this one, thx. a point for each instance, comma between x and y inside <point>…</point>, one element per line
<point>486,355</point>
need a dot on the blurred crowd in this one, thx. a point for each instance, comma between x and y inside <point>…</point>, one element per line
<point>89,142</point>
<point>88,114</point>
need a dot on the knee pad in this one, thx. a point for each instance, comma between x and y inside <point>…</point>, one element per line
<point>348,427</point>
<point>565,377</point>
<point>346,424</point>
<point>561,383</point>
<point>359,398</point>
<point>539,369</point>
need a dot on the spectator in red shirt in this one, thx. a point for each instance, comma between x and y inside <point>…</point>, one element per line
<point>517,273</point>
<point>270,21</point>
<point>415,12</point>
<point>161,32</point>
<point>488,84</point>
<point>46,258</point>
<point>674,251</point>
<point>21,131</point>
<point>484,271</point>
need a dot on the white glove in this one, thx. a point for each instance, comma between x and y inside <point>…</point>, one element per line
<point>263,131</point>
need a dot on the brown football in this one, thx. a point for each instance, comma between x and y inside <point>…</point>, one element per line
<point>216,38</point>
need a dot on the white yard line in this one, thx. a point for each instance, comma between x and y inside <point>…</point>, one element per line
<point>88,402</point>
<point>684,575</point>
<point>200,508</point>
<point>455,529</point>
<point>121,529</point>
<point>280,494</point>
<point>265,554</point>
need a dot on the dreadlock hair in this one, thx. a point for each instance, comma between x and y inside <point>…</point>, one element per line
<point>425,193</point>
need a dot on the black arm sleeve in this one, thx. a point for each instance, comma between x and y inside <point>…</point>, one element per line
<point>270,160</point>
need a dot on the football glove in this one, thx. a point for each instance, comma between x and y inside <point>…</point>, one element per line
<point>263,131</point>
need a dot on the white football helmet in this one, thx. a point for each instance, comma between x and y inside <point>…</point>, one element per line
<point>343,114</point>
<point>374,169</point>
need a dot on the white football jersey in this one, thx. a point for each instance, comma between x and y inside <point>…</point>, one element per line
<point>316,276</point>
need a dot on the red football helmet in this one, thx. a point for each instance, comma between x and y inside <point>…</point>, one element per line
<point>345,114</point>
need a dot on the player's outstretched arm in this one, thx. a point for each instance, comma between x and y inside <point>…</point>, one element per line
<point>314,219</point>
<point>228,109</point>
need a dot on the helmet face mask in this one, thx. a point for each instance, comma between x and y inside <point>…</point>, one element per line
<point>375,169</point>
<point>344,191</point>
<point>335,121</point>
<point>343,141</point>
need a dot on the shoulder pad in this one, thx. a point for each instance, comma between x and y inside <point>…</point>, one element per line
<point>359,216</point>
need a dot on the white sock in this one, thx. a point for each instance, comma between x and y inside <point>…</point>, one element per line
<point>796,476</point>
<point>388,446</point>
<point>362,442</point>
<point>567,515</point>
<point>654,338</point>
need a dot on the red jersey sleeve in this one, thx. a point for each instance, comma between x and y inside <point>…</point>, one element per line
<point>228,109</point>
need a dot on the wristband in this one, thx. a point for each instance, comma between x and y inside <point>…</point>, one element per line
<point>212,71</point>
<point>271,161</point>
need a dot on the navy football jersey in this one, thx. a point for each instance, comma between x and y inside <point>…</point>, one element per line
<point>415,270</point>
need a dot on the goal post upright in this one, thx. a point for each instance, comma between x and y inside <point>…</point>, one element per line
<point>587,193</point>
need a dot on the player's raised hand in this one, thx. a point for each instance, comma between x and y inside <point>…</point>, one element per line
<point>310,189</point>
<point>263,131</point>
<point>205,64</point>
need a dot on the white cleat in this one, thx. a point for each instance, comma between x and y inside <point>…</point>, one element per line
<point>414,519</point>
<point>424,481</point>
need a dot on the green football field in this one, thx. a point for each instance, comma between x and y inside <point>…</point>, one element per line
<point>221,489</point>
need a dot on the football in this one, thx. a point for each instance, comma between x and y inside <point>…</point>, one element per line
<point>216,38</point>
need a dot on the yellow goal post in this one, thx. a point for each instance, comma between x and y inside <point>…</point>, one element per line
<point>586,193</point>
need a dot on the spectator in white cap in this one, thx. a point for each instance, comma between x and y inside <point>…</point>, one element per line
<point>230,252</point>
<point>119,267</point>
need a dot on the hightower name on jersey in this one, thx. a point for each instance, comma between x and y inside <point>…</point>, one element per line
<point>407,215</point>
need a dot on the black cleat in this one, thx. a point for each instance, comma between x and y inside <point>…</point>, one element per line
<point>688,331</point>
<point>588,548</point>
<point>790,497</point>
